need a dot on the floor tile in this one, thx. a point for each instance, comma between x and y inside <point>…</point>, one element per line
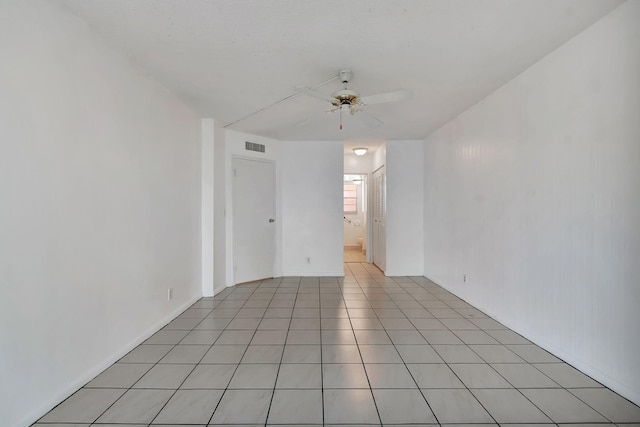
<point>456,406</point>
<point>533,354</point>
<point>237,337</point>
<point>185,354</point>
<point>137,406</point>
<point>166,337</point>
<point>244,324</point>
<point>613,406</point>
<point>209,377</point>
<point>379,354</point>
<point>340,354</point>
<point>459,324</point>
<point>402,406</point>
<point>300,375</point>
<point>389,376</point>
<point>506,336</point>
<point>168,376</point>
<point>475,337</point>
<point>372,337</point>
<point>496,354</point>
<point>272,337</point>
<point>479,375</point>
<point>488,324</point>
<point>567,376</point>
<point>304,336</point>
<point>406,337</point>
<point>304,324</point>
<point>224,354</point>
<point>302,354</point>
<point>274,324</point>
<point>146,354</point>
<point>366,324</point>
<point>243,407</point>
<point>441,337</point>
<point>523,375</point>
<point>397,324</point>
<point>182,324</point>
<point>263,354</point>
<point>339,375</point>
<point>84,406</point>
<point>296,407</point>
<point>120,375</point>
<point>212,324</point>
<point>434,375</point>
<point>349,406</point>
<point>509,406</point>
<point>189,407</point>
<point>418,354</point>
<point>203,337</point>
<point>457,354</point>
<point>338,336</point>
<point>254,376</point>
<point>561,406</point>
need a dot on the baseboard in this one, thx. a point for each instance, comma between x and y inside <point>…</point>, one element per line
<point>218,289</point>
<point>98,369</point>
<point>313,274</point>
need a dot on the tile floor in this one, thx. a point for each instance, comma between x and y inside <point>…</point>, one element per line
<point>360,350</point>
<point>352,254</point>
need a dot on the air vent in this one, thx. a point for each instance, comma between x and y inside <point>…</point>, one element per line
<point>252,146</point>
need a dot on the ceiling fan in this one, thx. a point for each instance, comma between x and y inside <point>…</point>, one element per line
<point>349,101</point>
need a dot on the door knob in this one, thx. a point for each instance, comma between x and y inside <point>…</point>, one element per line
<point>272,220</point>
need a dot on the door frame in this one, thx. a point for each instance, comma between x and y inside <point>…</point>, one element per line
<point>276,229</point>
<point>383,166</point>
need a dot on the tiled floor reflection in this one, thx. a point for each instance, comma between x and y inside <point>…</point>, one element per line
<point>363,350</point>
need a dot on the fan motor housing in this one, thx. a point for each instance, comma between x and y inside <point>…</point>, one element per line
<point>346,97</point>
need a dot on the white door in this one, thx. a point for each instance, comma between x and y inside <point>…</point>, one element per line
<point>253,219</point>
<point>379,218</point>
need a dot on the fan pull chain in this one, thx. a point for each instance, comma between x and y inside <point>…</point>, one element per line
<point>341,119</point>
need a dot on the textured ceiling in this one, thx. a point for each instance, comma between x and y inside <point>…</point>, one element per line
<point>230,59</point>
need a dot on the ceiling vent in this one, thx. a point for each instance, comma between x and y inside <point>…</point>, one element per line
<point>252,146</point>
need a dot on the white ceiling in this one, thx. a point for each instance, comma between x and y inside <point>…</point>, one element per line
<point>229,59</point>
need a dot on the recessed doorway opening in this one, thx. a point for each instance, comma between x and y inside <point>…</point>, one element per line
<point>355,217</point>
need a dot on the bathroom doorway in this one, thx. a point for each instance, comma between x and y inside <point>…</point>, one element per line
<point>355,218</point>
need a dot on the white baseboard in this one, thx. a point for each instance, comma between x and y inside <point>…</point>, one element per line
<point>313,274</point>
<point>99,368</point>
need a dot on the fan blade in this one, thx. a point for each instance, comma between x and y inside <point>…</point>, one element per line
<point>315,93</point>
<point>368,119</point>
<point>396,95</point>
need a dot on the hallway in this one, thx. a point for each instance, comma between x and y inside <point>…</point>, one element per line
<point>364,349</point>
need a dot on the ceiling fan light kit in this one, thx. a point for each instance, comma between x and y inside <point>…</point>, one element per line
<point>350,101</point>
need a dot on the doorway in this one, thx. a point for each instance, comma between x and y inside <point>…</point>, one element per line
<point>254,231</point>
<point>355,218</point>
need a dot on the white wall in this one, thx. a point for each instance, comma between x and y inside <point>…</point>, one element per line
<point>534,195</point>
<point>235,146</point>
<point>312,211</point>
<point>207,131</point>
<point>404,170</point>
<point>100,207</point>
<point>219,209</point>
